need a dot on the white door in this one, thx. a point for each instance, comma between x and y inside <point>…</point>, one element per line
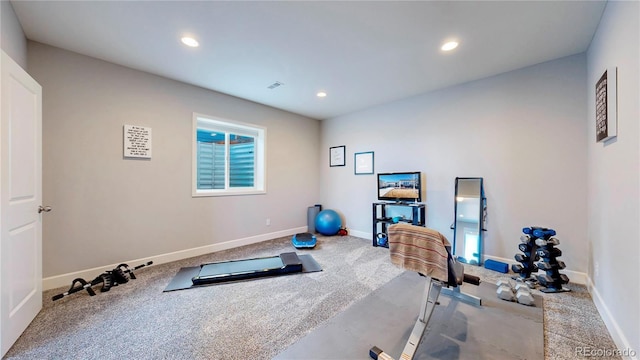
<point>20,201</point>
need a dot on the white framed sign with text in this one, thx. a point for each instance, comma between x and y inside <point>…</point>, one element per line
<point>137,142</point>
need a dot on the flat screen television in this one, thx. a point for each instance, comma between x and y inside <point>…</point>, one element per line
<point>400,187</point>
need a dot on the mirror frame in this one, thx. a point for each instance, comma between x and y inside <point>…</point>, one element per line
<point>481,219</point>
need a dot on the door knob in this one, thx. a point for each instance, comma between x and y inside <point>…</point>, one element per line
<point>44,209</point>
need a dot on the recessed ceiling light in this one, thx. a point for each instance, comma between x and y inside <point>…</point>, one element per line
<point>321,94</point>
<point>450,45</point>
<point>189,41</point>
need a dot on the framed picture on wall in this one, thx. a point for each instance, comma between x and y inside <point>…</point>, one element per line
<point>136,142</point>
<point>336,156</point>
<point>607,105</point>
<point>363,163</point>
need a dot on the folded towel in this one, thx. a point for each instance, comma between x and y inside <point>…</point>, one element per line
<point>419,249</point>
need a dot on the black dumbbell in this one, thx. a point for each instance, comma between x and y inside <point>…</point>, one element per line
<point>516,268</point>
<point>549,253</point>
<point>543,242</point>
<point>525,248</point>
<point>521,258</point>
<point>551,265</point>
<point>545,280</point>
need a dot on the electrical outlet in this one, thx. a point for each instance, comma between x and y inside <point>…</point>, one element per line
<point>596,269</point>
<point>268,222</point>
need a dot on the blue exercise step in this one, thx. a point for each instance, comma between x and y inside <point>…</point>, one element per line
<point>303,240</point>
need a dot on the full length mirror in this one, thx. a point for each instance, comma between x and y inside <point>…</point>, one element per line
<point>470,207</point>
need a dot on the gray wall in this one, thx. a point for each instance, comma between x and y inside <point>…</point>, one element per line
<point>12,39</point>
<point>523,131</point>
<point>109,210</point>
<point>529,133</point>
<point>613,236</point>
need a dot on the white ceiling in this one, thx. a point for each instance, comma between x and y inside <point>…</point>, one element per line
<point>361,53</point>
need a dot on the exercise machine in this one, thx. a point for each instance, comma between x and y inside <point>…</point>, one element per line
<point>432,242</point>
<point>216,272</point>
<point>119,275</point>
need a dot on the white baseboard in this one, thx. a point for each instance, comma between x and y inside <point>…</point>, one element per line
<point>56,281</point>
<point>616,333</point>
<point>360,234</point>
<point>575,277</point>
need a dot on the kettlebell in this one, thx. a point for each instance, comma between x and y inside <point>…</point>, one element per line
<point>382,239</point>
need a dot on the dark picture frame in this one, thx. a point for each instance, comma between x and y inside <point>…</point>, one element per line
<point>607,105</point>
<point>337,156</point>
<point>363,163</point>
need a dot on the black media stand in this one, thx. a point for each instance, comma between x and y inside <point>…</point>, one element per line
<point>380,217</point>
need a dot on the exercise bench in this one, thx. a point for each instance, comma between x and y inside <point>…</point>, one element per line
<point>427,252</point>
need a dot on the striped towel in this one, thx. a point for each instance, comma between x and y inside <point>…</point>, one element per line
<point>419,249</point>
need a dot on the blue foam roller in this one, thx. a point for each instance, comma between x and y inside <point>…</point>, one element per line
<point>496,266</point>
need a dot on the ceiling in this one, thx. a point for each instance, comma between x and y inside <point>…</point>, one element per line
<point>360,53</point>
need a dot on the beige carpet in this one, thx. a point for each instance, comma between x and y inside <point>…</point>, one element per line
<point>253,319</point>
<point>247,320</point>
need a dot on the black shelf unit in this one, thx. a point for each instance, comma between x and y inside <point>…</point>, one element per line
<point>379,211</point>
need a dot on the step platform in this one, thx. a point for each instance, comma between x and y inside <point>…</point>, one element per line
<point>304,240</point>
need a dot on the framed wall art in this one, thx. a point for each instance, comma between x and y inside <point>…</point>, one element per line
<point>336,156</point>
<point>137,142</point>
<point>607,105</point>
<point>363,163</point>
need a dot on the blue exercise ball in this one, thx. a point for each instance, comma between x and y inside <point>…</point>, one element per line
<point>328,222</point>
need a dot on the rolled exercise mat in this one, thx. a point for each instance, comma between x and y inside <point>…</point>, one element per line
<point>496,266</point>
<point>312,212</point>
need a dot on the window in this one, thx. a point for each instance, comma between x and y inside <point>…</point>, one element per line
<point>228,157</point>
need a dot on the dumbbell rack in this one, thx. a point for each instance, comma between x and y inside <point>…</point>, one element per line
<point>529,255</point>
<point>553,280</point>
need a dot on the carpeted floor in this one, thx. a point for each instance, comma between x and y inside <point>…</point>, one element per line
<point>252,319</point>
<point>571,320</point>
<point>456,330</point>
